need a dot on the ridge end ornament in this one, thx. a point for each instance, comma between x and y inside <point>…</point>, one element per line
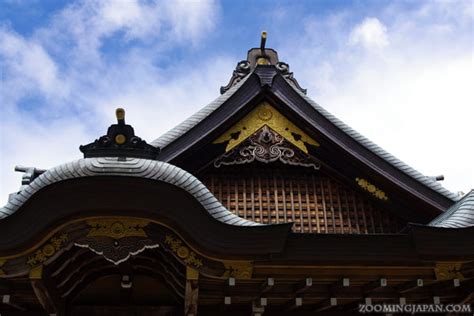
<point>120,141</point>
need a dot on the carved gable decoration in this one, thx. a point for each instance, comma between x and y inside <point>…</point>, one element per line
<point>266,145</point>
<point>265,115</point>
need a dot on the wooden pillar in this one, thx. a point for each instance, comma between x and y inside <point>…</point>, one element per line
<point>191,292</point>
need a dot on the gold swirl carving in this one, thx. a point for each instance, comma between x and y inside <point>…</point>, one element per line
<point>117,228</point>
<point>188,256</point>
<point>47,250</point>
<point>238,270</point>
<point>448,271</point>
<point>265,114</point>
<point>369,187</point>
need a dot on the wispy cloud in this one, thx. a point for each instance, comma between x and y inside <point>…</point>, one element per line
<point>402,77</point>
<point>400,73</point>
<point>61,84</point>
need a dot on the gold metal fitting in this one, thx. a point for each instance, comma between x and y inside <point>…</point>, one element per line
<point>120,114</point>
<point>120,139</point>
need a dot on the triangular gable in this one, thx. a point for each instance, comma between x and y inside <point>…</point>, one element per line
<point>267,82</point>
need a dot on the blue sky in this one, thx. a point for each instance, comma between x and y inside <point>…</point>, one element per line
<point>399,72</point>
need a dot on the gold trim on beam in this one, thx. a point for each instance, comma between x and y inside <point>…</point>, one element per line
<point>117,227</point>
<point>372,189</point>
<point>36,273</point>
<point>448,270</point>
<point>189,257</point>
<point>238,269</point>
<point>265,114</point>
<point>191,274</point>
<point>47,250</point>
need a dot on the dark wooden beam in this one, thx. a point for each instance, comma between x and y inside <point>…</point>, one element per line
<point>267,285</point>
<point>375,285</point>
<point>8,300</point>
<point>410,286</point>
<point>303,286</point>
<point>293,304</point>
<point>46,291</point>
<point>325,304</point>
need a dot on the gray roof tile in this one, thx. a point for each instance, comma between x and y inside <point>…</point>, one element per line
<point>459,215</point>
<point>192,121</point>
<point>132,167</point>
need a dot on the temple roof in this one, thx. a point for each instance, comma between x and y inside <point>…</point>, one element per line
<point>236,83</point>
<point>459,215</point>
<point>130,167</point>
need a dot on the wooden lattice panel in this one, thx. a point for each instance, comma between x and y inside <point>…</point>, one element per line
<point>312,200</point>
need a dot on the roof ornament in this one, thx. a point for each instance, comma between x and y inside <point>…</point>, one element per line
<point>120,141</point>
<point>30,173</point>
<point>261,56</point>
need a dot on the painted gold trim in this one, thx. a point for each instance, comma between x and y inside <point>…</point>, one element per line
<point>265,114</point>
<point>238,270</point>
<point>85,219</point>
<point>47,250</point>
<point>372,189</point>
<point>117,228</point>
<point>182,251</point>
<point>191,274</point>
<point>36,273</point>
<point>448,270</point>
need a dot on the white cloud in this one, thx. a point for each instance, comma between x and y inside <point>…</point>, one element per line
<point>76,88</point>
<point>413,97</point>
<point>26,67</point>
<point>371,33</point>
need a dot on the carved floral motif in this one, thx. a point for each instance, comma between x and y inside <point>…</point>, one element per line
<point>369,187</point>
<point>448,270</point>
<point>238,270</point>
<point>48,250</point>
<point>188,256</point>
<point>266,146</point>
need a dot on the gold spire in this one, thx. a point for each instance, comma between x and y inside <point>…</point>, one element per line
<point>120,114</point>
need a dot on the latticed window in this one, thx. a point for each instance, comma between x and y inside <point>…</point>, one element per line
<point>314,201</point>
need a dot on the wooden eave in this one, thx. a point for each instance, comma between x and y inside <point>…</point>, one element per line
<point>111,196</point>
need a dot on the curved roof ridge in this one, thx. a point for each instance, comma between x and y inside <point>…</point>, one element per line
<point>461,214</point>
<point>134,167</point>
<point>196,118</point>
<point>379,151</point>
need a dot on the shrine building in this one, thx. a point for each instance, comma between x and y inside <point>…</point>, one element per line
<point>261,203</point>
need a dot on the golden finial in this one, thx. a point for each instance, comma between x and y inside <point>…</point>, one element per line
<point>120,114</point>
<point>262,41</point>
